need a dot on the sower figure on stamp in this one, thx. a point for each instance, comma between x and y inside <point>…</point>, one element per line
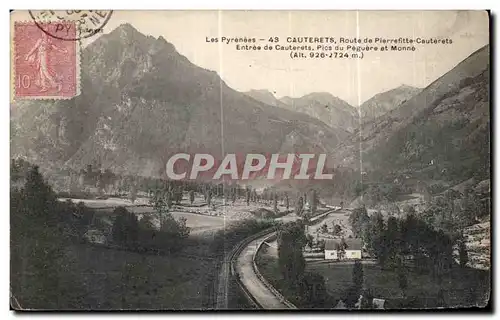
<point>40,57</point>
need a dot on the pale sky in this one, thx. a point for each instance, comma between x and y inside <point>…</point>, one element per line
<point>353,80</point>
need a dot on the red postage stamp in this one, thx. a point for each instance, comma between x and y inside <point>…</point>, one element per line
<point>45,67</point>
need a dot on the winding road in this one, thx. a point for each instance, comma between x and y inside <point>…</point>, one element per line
<point>241,263</point>
<point>262,293</point>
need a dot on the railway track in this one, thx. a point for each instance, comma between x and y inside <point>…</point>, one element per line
<point>228,271</point>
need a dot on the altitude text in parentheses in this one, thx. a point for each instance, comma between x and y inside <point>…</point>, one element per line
<point>294,55</point>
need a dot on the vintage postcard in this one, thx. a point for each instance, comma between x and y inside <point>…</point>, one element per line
<point>244,160</point>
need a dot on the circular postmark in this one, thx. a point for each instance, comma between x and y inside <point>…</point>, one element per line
<point>71,25</point>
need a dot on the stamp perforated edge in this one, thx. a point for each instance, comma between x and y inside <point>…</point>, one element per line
<point>78,53</point>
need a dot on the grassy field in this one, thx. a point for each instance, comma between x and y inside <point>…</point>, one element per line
<point>268,267</point>
<point>125,280</point>
<point>462,287</point>
<point>119,279</point>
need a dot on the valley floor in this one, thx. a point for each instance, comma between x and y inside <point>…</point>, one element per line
<point>116,280</point>
<point>461,287</point>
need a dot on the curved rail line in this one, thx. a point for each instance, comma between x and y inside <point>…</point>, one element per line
<point>228,270</point>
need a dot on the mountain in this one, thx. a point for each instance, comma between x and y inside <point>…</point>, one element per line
<point>386,101</point>
<point>324,106</point>
<point>141,101</point>
<point>266,97</point>
<point>441,133</point>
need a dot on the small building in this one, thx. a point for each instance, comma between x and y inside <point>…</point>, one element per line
<point>352,250</point>
<point>378,303</point>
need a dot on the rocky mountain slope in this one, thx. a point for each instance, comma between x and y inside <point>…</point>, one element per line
<point>324,106</point>
<point>441,133</point>
<point>267,97</point>
<point>142,101</point>
<point>384,102</point>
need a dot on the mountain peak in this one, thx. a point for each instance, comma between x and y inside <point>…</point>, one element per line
<point>125,29</point>
<point>126,34</point>
<point>326,107</point>
<point>386,101</point>
<point>405,86</point>
<point>263,95</point>
<point>321,94</point>
<point>261,91</point>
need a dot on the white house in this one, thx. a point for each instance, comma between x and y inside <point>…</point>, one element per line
<point>352,251</point>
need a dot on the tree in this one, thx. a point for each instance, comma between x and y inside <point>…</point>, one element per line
<point>160,202</point>
<point>321,244</point>
<point>392,241</point>
<point>101,183</point>
<point>314,291</point>
<point>109,177</point>
<point>299,207</point>
<point>176,229</point>
<point>42,274</point>
<point>409,210</point>
<point>470,208</point>
<point>341,248</point>
<point>125,227</point>
<point>171,233</point>
<point>375,238</point>
<point>337,230</point>
<point>85,217</point>
<point>462,252</point>
<point>291,240</point>
<point>209,197</point>
<point>350,297</point>
<point>357,276</point>
<point>358,220</point>
<point>146,223</point>
<point>169,199</point>
<point>324,228</point>
<point>314,202</point>
<point>310,240</point>
<point>191,196</point>
<point>275,203</point>
<point>233,196</point>
<point>402,281</point>
<point>178,195</point>
<point>367,302</point>
<point>248,196</point>
<point>287,202</point>
<point>133,193</point>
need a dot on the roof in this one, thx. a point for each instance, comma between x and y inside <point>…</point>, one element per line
<point>352,244</point>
